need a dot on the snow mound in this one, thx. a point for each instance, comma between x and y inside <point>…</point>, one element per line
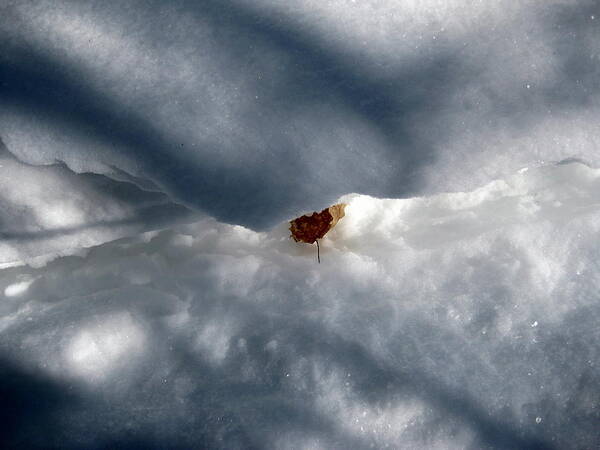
<point>462,320</point>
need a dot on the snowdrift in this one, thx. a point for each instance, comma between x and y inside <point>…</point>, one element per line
<point>458,320</point>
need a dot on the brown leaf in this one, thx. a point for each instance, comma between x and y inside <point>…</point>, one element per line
<point>309,228</point>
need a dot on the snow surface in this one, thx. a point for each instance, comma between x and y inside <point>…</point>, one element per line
<point>281,107</point>
<point>151,153</point>
<point>458,320</point>
<point>49,211</point>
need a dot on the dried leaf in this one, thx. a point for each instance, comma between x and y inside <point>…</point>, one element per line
<point>309,228</point>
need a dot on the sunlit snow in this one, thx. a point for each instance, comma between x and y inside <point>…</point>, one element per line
<point>435,321</point>
<point>152,154</point>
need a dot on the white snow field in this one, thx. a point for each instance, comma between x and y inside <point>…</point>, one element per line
<point>465,320</point>
<point>152,153</point>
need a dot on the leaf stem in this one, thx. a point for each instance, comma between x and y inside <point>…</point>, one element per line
<point>318,255</point>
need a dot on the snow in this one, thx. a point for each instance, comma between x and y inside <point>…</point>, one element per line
<point>152,153</point>
<point>50,210</point>
<point>431,322</point>
<point>285,106</point>
<point>17,288</point>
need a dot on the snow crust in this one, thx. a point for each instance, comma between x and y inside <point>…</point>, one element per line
<point>50,210</point>
<point>459,320</point>
<point>253,110</point>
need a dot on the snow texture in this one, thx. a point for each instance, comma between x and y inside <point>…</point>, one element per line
<point>285,106</point>
<point>152,152</point>
<point>459,320</point>
<point>48,211</point>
